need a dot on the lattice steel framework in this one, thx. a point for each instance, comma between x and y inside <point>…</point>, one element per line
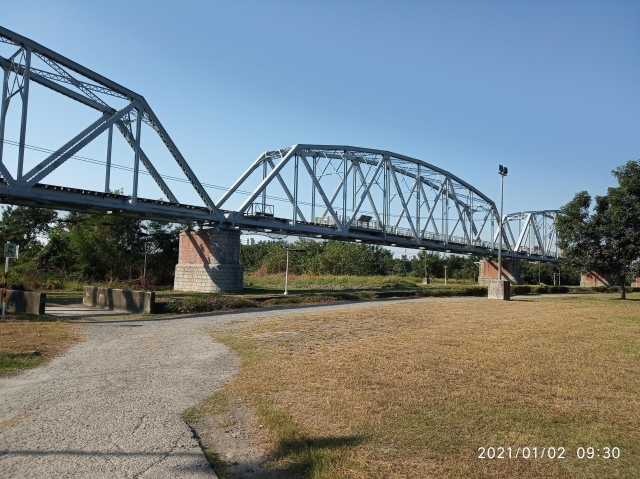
<point>371,196</point>
<point>340,192</point>
<point>532,233</point>
<point>87,87</point>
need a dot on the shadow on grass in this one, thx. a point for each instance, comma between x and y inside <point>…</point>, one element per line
<point>64,299</point>
<point>307,457</point>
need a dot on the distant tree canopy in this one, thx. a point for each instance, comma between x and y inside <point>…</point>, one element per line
<point>318,258</point>
<point>604,239</point>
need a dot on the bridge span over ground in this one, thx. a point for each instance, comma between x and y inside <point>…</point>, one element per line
<point>319,191</point>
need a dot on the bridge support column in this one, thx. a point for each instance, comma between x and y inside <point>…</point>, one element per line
<point>489,271</point>
<point>208,262</point>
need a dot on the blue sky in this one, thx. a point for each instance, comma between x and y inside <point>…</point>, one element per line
<point>549,89</point>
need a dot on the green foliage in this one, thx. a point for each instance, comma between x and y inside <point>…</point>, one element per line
<point>318,258</point>
<point>66,252</point>
<point>458,291</point>
<point>206,303</point>
<point>520,289</point>
<point>458,267</point>
<point>535,273</point>
<point>604,239</point>
<point>26,227</point>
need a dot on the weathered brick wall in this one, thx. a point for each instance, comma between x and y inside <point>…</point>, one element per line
<point>489,271</point>
<point>194,247</point>
<point>209,262</point>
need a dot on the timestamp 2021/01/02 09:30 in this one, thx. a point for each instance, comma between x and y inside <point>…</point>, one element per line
<point>550,452</point>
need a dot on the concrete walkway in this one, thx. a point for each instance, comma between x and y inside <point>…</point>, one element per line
<point>110,407</point>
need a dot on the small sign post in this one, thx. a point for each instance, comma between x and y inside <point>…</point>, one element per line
<point>10,251</point>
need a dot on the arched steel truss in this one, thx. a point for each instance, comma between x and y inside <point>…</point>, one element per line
<point>371,196</point>
<point>340,192</point>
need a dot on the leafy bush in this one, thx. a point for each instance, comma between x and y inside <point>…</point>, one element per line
<point>520,289</point>
<point>558,289</point>
<point>205,304</point>
<point>468,291</point>
<point>542,290</point>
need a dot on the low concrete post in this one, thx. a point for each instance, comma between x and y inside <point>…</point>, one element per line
<point>500,289</point>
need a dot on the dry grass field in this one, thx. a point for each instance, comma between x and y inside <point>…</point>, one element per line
<point>26,343</point>
<point>413,390</point>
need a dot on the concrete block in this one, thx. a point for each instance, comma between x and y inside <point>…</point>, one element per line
<point>499,289</point>
<point>30,302</point>
<point>119,299</point>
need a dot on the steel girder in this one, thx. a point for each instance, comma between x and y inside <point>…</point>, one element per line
<point>61,75</point>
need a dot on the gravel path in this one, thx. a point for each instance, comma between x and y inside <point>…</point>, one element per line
<point>110,407</point>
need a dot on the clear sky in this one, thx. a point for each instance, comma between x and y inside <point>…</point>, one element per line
<point>550,89</point>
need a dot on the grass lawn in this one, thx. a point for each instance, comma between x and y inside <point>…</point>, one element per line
<point>26,343</point>
<point>303,283</point>
<point>414,390</point>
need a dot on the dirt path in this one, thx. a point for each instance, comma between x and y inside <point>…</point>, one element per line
<point>110,407</point>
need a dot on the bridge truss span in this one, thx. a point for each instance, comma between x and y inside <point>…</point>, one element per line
<point>365,195</point>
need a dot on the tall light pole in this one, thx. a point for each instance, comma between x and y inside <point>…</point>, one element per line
<point>502,170</point>
<point>286,274</point>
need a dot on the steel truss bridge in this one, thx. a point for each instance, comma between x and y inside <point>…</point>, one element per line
<point>329,192</point>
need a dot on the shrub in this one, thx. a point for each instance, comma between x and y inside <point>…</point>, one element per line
<point>520,289</point>
<point>206,303</point>
<point>542,290</point>
<point>558,289</point>
<point>468,291</point>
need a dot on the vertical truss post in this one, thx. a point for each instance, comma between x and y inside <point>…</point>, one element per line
<point>355,186</point>
<point>313,191</point>
<point>136,161</point>
<point>264,192</point>
<point>4,105</point>
<point>385,198</point>
<point>446,212</point>
<point>418,230</point>
<point>344,190</point>
<point>107,176</point>
<point>544,237</point>
<point>25,104</point>
<point>295,190</point>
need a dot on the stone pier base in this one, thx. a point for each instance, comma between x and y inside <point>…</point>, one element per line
<point>208,262</point>
<point>489,271</point>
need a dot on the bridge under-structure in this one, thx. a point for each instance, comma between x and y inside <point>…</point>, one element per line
<point>319,191</point>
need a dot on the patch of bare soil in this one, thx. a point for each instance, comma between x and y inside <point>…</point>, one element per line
<point>234,437</point>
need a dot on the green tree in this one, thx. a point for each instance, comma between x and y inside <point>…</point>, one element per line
<point>434,265</point>
<point>26,226</point>
<point>605,239</point>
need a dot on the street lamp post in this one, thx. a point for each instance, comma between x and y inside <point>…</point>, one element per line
<point>286,274</point>
<point>502,170</point>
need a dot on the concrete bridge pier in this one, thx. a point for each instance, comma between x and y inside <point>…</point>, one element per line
<point>489,271</point>
<point>209,261</point>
